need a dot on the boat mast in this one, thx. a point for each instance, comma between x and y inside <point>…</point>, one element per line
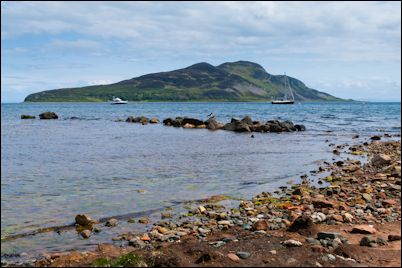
<point>286,93</point>
<point>290,89</point>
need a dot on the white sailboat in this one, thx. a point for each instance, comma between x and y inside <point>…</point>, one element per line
<point>118,101</point>
<point>286,99</point>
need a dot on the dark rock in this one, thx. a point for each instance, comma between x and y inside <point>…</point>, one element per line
<point>234,120</point>
<point>381,241</point>
<point>83,220</point>
<point>243,254</point>
<point>24,116</point>
<point>274,127</point>
<point>394,237</point>
<point>154,120</point>
<point>212,124</point>
<point>330,235</point>
<point>48,115</point>
<point>242,127</point>
<point>261,128</point>
<point>192,121</point>
<point>167,121</point>
<point>260,225</point>
<point>287,126</point>
<point>229,126</point>
<point>85,234</point>
<point>300,127</point>
<point>111,222</point>
<point>304,225</point>
<point>375,138</point>
<point>368,241</point>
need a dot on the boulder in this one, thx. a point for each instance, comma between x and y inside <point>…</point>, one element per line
<point>229,126</point>
<point>111,222</point>
<point>260,225</point>
<point>261,128</point>
<point>48,115</point>
<point>363,229</point>
<point>24,116</point>
<point>192,121</point>
<point>86,234</point>
<point>274,127</point>
<point>83,220</point>
<point>242,127</point>
<point>167,121</point>
<point>300,127</point>
<point>212,124</point>
<point>287,126</point>
<point>247,120</point>
<point>154,120</point>
<point>303,225</point>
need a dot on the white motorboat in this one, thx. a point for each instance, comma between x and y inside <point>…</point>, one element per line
<point>118,101</point>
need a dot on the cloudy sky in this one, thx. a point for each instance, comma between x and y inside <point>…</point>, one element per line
<point>347,49</point>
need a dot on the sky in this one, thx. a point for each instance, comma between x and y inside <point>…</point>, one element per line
<point>347,49</point>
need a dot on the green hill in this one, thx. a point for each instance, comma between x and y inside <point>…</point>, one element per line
<point>232,81</point>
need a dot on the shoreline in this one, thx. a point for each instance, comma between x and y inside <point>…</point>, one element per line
<point>267,215</point>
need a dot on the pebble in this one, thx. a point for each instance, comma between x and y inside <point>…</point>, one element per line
<point>292,243</point>
<point>143,220</point>
<point>85,234</point>
<point>394,237</point>
<point>273,252</point>
<point>243,254</point>
<point>313,241</point>
<point>330,235</point>
<point>233,257</point>
<point>224,222</point>
<point>367,241</point>
<point>111,222</point>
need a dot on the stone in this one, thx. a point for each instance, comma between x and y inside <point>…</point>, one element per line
<point>367,197</point>
<point>363,229</point>
<point>166,215</point>
<point>367,241</point>
<point>375,138</point>
<point>187,125</point>
<point>273,252</point>
<point>145,237</point>
<point>111,222</point>
<point>233,257</point>
<point>136,242</point>
<point>322,203</point>
<point>330,235</point>
<point>24,116</point>
<point>192,121</point>
<point>348,217</point>
<point>389,202</point>
<point>83,220</point>
<point>337,217</point>
<point>313,241</point>
<point>202,209</point>
<point>243,254</point>
<point>300,127</point>
<point>143,220</point>
<point>292,243</point>
<point>381,160</point>
<point>260,225</point>
<point>85,234</point>
<point>394,237</point>
<point>318,217</point>
<point>48,115</point>
<point>247,120</point>
<point>162,230</point>
<point>154,120</point>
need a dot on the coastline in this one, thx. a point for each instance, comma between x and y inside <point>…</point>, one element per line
<point>260,225</point>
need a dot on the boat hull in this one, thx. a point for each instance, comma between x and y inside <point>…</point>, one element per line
<point>119,103</point>
<point>282,102</point>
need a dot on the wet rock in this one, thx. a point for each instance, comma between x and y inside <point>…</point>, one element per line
<point>313,241</point>
<point>212,124</point>
<point>300,127</point>
<point>303,225</point>
<point>375,138</point>
<point>243,254</point>
<point>292,243</point>
<point>187,125</point>
<point>83,220</point>
<point>111,222</point>
<point>85,234</point>
<point>322,203</point>
<point>192,121</point>
<point>24,116</point>
<point>166,215</point>
<point>363,229</point>
<point>247,120</point>
<point>136,242</point>
<point>154,120</point>
<point>48,115</point>
<point>143,220</point>
<point>260,225</point>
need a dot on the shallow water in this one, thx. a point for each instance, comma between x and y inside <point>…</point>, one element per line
<point>53,170</point>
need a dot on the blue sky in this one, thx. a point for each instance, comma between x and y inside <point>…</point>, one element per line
<point>347,49</point>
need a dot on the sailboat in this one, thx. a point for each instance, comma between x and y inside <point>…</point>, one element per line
<point>286,100</point>
<point>118,101</point>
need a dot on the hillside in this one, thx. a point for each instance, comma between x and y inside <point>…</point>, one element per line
<point>232,81</point>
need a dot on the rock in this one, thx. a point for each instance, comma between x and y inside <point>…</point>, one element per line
<point>111,222</point>
<point>192,121</point>
<point>154,120</point>
<point>233,257</point>
<point>83,220</point>
<point>318,217</point>
<point>313,241</point>
<point>331,257</point>
<point>304,225</point>
<point>217,244</point>
<point>165,215</point>
<point>330,235</point>
<point>375,138</point>
<point>202,209</point>
<point>229,127</point>
<point>260,225</point>
<point>367,241</point>
<point>224,222</point>
<point>381,160</point>
<point>187,125</point>
<point>363,229</point>
<point>241,127</point>
<point>136,242</point>
<point>145,237</point>
<point>367,197</point>
<point>24,116</point>
<point>348,217</point>
<point>323,203</point>
<point>243,254</point>
<point>394,237</point>
<point>337,217</point>
<point>143,220</point>
<point>300,127</point>
<point>48,115</point>
<point>212,124</point>
<point>247,120</point>
<point>292,243</point>
<point>389,202</point>
<point>273,252</point>
<point>85,234</point>
<point>336,151</point>
<point>381,241</point>
<point>162,230</point>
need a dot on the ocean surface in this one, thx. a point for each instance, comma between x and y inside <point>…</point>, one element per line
<point>52,170</point>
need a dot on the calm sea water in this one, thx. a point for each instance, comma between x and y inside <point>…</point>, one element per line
<point>52,170</point>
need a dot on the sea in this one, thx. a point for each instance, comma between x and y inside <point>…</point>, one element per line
<point>90,161</point>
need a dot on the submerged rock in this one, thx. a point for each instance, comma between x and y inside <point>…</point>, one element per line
<point>48,115</point>
<point>111,222</point>
<point>86,234</point>
<point>24,116</point>
<point>83,220</point>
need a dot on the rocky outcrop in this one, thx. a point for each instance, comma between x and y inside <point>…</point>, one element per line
<point>48,115</point>
<point>237,125</point>
<point>139,119</point>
